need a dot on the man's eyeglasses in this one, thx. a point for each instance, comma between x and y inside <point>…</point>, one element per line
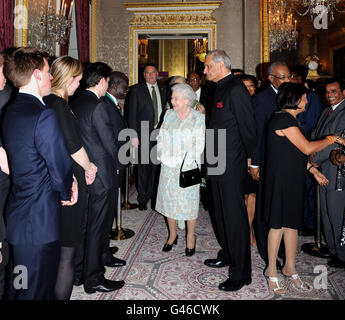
<point>281,78</point>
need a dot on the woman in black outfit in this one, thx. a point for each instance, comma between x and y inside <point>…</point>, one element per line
<point>67,73</point>
<point>286,165</point>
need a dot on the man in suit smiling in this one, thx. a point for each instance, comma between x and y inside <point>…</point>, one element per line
<point>332,121</point>
<point>146,106</point>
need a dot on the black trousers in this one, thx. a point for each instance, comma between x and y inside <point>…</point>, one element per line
<point>97,235</point>
<point>4,190</point>
<point>145,181</point>
<point>232,228</point>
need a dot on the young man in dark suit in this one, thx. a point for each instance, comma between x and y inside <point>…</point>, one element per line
<point>41,170</point>
<point>97,133</point>
<point>232,113</point>
<point>146,106</point>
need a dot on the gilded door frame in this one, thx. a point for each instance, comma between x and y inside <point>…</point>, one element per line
<point>264,32</point>
<point>169,18</point>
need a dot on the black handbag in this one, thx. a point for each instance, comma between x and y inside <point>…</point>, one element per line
<point>190,177</point>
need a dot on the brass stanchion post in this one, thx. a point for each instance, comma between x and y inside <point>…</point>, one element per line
<point>317,248</point>
<point>120,233</point>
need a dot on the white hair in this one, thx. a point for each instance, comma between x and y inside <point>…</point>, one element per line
<point>220,55</point>
<point>186,91</point>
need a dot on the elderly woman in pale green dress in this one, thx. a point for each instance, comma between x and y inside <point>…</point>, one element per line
<point>182,135</point>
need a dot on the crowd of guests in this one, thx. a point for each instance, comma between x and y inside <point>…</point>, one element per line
<point>61,169</point>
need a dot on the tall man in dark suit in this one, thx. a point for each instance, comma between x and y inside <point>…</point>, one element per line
<point>117,89</point>
<point>232,112</point>
<point>264,105</point>
<point>146,107</point>
<point>332,121</point>
<point>96,130</point>
<point>41,170</point>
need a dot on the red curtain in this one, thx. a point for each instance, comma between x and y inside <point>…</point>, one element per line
<point>6,24</point>
<point>82,11</point>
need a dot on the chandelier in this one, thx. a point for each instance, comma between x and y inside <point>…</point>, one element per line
<point>315,7</point>
<point>55,26</point>
<point>200,49</point>
<point>283,33</point>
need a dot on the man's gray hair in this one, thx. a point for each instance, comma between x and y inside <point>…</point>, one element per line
<point>220,55</point>
<point>273,65</point>
<point>186,91</point>
<point>175,78</point>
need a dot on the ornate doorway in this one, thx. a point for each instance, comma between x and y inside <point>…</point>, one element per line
<point>163,19</point>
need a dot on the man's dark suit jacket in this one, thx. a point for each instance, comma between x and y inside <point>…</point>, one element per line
<point>41,170</point>
<point>119,124</point>
<point>140,107</point>
<point>96,130</point>
<point>264,105</point>
<point>232,111</point>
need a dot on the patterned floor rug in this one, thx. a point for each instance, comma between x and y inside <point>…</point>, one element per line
<point>151,274</point>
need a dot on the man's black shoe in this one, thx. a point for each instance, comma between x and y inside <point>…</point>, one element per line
<point>105,286</point>
<point>335,262</point>
<point>142,206</point>
<point>234,285</point>
<point>115,262</point>
<point>113,250</point>
<point>78,282</point>
<point>215,263</point>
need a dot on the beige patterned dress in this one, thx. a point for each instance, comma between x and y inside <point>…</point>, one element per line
<point>176,139</point>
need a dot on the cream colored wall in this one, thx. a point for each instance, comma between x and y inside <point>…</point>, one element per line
<point>242,44</point>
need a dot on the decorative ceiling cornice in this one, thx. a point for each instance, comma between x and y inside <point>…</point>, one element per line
<point>173,13</point>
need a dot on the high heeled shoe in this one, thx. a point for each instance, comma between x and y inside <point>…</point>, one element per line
<point>294,278</point>
<point>190,252</point>
<point>167,247</point>
<point>278,289</point>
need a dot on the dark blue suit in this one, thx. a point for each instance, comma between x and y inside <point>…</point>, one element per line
<point>264,105</point>
<point>41,171</point>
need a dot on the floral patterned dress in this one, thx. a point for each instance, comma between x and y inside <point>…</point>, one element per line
<point>178,139</point>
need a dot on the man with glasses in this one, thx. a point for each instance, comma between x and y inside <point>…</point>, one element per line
<point>264,105</point>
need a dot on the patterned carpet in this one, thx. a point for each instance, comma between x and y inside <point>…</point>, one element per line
<point>151,274</point>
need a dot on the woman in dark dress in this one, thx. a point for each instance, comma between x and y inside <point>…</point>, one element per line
<point>67,73</point>
<point>286,165</point>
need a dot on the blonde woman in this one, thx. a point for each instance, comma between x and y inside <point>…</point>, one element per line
<point>67,73</point>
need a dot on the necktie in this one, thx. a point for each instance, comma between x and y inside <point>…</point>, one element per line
<point>155,104</point>
<point>330,111</point>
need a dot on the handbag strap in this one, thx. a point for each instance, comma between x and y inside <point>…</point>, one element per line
<point>184,160</point>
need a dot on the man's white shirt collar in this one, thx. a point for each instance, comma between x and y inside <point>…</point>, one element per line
<point>94,92</point>
<point>275,90</point>
<point>33,94</point>
<point>115,100</point>
<point>334,107</point>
